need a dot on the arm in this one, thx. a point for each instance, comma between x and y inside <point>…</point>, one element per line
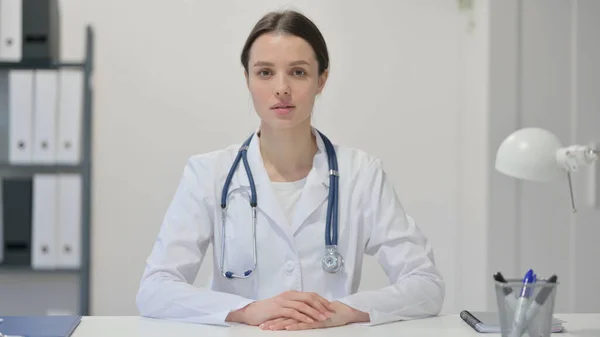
<point>416,287</point>
<point>166,288</point>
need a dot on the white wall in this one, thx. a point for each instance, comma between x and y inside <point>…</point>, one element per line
<point>545,72</point>
<point>168,84</point>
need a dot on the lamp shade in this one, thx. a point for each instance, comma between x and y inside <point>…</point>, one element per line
<point>530,154</point>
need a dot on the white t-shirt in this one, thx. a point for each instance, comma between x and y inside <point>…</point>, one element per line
<point>288,194</point>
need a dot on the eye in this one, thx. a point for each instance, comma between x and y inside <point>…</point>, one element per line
<point>299,72</point>
<point>264,73</point>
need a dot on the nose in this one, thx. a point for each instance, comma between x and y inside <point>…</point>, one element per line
<point>283,88</point>
<point>282,92</point>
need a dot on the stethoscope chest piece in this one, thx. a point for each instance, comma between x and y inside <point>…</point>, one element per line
<point>332,261</point>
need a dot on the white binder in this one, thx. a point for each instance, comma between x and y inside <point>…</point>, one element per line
<point>1,222</point>
<point>70,113</point>
<point>20,106</point>
<point>45,105</point>
<point>69,220</point>
<point>11,31</point>
<point>44,217</point>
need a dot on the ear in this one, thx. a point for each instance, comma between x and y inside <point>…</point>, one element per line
<point>247,78</point>
<point>322,81</point>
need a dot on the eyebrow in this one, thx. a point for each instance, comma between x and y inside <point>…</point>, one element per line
<point>269,64</point>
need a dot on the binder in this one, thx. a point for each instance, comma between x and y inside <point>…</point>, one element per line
<point>69,221</point>
<point>16,220</point>
<point>70,113</point>
<point>20,116</point>
<point>1,223</point>
<point>11,30</point>
<point>41,30</point>
<point>44,116</point>
<point>4,127</point>
<point>44,217</point>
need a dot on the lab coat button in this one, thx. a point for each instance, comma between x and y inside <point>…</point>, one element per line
<point>289,266</point>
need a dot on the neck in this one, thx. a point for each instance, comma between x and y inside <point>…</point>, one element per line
<point>287,154</point>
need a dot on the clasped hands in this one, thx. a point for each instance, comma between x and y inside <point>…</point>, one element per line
<point>294,310</point>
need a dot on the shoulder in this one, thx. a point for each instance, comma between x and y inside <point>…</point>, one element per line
<point>357,162</point>
<point>207,163</point>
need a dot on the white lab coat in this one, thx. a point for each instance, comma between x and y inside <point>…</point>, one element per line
<point>371,221</point>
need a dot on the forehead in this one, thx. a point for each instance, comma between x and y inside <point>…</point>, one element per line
<point>274,47</point>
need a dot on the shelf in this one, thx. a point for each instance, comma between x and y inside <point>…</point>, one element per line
<point>71,285</point>
<point>26,170</point>
<point>9,166</point>
<point>8,269</point>
<point>34,64</point>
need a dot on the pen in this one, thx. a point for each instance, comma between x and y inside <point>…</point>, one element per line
<point>510,300</point>
<point>521,310</point>
<point>536,306</point>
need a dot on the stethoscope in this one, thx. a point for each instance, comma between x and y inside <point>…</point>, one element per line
<point>332,261</point>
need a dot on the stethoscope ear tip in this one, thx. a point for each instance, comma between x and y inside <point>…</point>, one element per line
<point>247,272</point>
<point>229,274</point>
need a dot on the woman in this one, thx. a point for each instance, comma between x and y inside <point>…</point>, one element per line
<point>287,279</point>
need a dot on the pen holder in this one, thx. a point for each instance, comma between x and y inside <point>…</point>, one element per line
<point>526,310</point>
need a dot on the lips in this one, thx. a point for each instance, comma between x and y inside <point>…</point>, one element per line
<point>282,109</point>
<point>283,106</point>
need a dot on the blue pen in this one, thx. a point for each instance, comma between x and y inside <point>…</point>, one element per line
<point>521,309</point>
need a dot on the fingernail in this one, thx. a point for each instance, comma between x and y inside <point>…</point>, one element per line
<point>310,320</point>
<point>323,317</point>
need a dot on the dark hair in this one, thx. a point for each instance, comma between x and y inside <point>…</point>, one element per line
<point>290,22</point>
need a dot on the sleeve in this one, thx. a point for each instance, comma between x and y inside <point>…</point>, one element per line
<point>416,287</point>
<point>166,289</point>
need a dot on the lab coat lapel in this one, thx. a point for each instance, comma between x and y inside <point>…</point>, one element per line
<point>265,198</point>
<point>316,190</point>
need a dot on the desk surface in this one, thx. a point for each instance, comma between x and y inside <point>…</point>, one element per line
<point>581,325</point>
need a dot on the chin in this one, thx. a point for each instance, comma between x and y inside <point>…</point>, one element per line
<point>284,122</point>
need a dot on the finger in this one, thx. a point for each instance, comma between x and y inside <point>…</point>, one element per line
<point>324,302</point>
<point>320,301</point>
<point>314,300</point>
<point>292,313</point>
<point>305,309</point>
<point>303,326</point>
<point>281,325</point>
<point>267,324</point>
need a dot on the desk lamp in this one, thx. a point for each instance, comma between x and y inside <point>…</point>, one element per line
<point>538,155</point>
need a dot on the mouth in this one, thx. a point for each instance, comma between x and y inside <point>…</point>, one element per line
<point>282,109</point>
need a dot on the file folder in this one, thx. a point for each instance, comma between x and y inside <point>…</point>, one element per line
<point>69,220</point>
<point>70,113</point>
<point>44,254</point>
<point>20,116</point>
<point>16,220</point>
<point>11,30</point>
<point>39,326</point>
<point>45,116</point>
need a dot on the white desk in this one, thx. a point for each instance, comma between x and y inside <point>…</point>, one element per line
<point>581,325</point>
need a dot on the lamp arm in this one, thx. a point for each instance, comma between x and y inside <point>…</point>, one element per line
<point>571,157</point>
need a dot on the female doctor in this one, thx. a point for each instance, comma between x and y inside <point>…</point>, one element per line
<point>289,215</point>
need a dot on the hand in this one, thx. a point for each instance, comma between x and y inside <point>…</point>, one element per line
<point>343,315</point>
<point>299,306</point>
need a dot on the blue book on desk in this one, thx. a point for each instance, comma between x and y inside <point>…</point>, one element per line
<point>39,326</point>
